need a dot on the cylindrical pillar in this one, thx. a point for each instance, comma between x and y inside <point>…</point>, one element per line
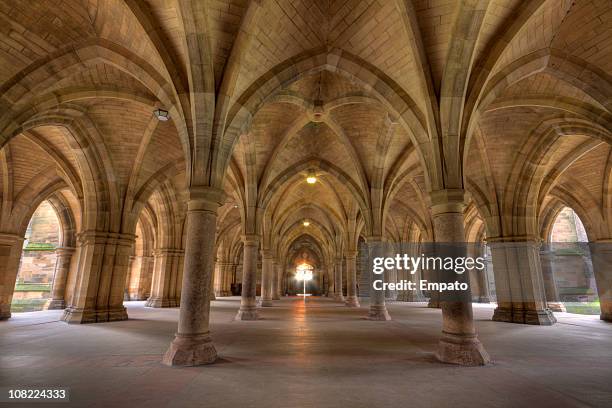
<point>192,344</point>
<point>60,277</point>
<point>275,281</point>
<point>601,254</point>
<point>459,343</point>
<point>248,302</point>
<point>267,277</point>
<point>11,247</point>
<point>352,300</point>
<point>338,291</point>
<point>378,307</point>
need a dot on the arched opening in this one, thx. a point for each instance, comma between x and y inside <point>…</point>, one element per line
<point>37,268</point>
<point>567,267</point>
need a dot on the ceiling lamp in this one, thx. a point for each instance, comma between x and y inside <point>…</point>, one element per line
<point>311,178</point>
<point>161,115</point>
<point>306,223</point>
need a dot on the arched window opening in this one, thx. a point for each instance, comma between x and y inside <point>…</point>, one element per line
<point>567,267</point>
<point>38,261</point>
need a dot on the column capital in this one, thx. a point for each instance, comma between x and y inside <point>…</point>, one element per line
<point>250,239</point>
<point>10,239</point>
<point>92,237</point>
<point>267,254</point>
<point>167,252</point>
<point>517,240</point>
<point>205,198</point>
<point>64,251</point>
<point>374,239</point>
<point>350,254</point>
<point>447,201</point>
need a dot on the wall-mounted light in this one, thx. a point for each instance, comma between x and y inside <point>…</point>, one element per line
<point>306,223</point>
<point>162,115</point>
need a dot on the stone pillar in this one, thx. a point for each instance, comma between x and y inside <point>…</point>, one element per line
<point>601,255</point>
<point>275,281</point>
<point>548,275</point>
<point>403,274</point>
<point>225,279</point>
<point>338,292</point>
<point>267,277</point>
<point>459,343</point>
<point>60,277</point>
<point>248,302</point>
<point>11,247</point>
<point>192,344</point>
<point>176,279</point>
<point>518,282</point>
<point>139,286</point>
<point>476,250</point>
<point>432,275</point>
<point>378,308</point>
<point>164,270</point>
<point>279,281</point>
<point>352,300</point>
<point>104,259</point>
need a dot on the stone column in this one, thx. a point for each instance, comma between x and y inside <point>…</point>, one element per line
<point>176,279</point>
<point>459,343</point>
<point>60,277</point>
<point>476,250</point>
<point>11,247</point>
<point>518,282</point>
<point>415,295</point>
<point>225,279</point>
<point>352,300</point>
<point>192,344</point>
<point>162,279</point>
<point>601,255</point>
<point>378,307</point>
<point>275,280</point>
<point>248,302</point>
<point>548,275</point>
<point>279,281</point>
<point>267,277</point>
<point>338,292</point>
<point>104,259</point>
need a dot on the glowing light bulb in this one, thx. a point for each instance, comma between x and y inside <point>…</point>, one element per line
<point>306,223</point>
<point>311,179</point>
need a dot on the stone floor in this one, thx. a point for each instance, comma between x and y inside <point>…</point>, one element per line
<point>318,355</point>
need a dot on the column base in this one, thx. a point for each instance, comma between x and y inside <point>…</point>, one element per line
<point>484,299</point>
<point>605,316</point>
<point>339,297</point>
<point>159,303</point>
<point>247,313</point>
<point>190,350</point>
<point>378,313</point>
<point>74,315</point>
<point>352,301</point>
<point>465,350</point>
<point>434,304</point>
<point>5,312</point>
<point>536,317</point>
<point>267,303</point>
<point>224,293</point>
<point>56,304</point>
<point>276,297</point>
<point>556,306</point>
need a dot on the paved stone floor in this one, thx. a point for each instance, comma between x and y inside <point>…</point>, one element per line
<point>321,355</point>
